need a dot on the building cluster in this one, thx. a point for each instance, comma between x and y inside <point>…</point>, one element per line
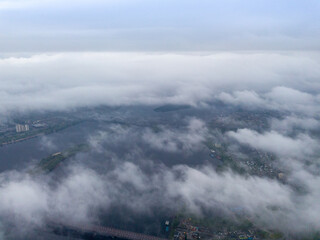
<point>255,163</point>
<point>22,128</point>
<point>261,164</point>
<point>39,124</point>
<point>186,230</point>
<point>234,235</point>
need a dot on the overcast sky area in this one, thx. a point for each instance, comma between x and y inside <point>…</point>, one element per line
<point>247,54</point>
<point>158,25</point>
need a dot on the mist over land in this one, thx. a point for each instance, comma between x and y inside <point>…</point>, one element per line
<point>120,122</point>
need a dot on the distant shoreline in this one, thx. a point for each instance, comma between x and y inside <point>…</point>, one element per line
<point>45,132</point>
<point>170,108</point>
<point>21,139</point>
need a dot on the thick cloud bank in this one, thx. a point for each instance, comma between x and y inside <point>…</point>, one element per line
<point>79,196</point>
<point>286,81</point>
<point>83,192</point>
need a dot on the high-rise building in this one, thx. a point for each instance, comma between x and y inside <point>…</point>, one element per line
<point>22,128</point>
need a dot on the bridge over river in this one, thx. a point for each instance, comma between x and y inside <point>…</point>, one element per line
<point>99,232</point>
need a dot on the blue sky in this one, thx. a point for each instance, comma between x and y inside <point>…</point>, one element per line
<point>156,25</point>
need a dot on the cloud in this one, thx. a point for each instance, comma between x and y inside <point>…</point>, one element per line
<point>23,199</point>
<point>34,200</point>
<point>186,139</point>
<point>204,189</point>
<point>133,182</point>
<point>287,83</point>
<point>276,143</point>
<point>248,98</point>
<point>278,99</point>
<point>68,80</point>
<point>47,143</point>
<point>83,193</point>
<point>291,123</point>
<point>293,100</point>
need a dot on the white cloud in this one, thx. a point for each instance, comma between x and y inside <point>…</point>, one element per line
<point>24,199</point>
<point>67,80</point>
<point>255,80</point>
<point>279,98</point>
<point>77,197</point>
<point>274,142</point>
<point>248,98</point>
<point>33,200</point>
<point>178,140</point>
<point>291,123</point>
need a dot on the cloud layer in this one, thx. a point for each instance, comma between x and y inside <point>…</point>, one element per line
<point>140,184</point>
<point>68,80</point>
<point>285,83</point>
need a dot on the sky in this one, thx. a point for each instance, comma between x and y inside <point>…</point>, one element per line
<point>154,25</point>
